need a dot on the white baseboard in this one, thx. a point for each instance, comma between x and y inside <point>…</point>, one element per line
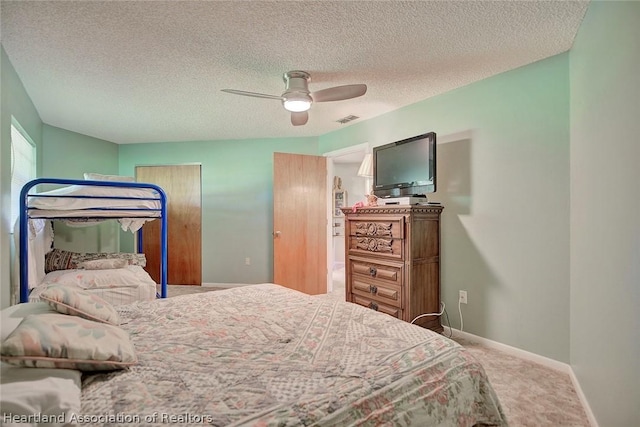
<point>523,354</point>
<point>583,399</point>
<point>541,360</point>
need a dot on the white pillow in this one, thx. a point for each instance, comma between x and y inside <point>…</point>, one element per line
<point>100,177</point>
<point>12,316</point>
<point>29,391</point>
<point>55,340</point>
<point>78,302</point>
<point>43,392</point>
<point>97,279</point>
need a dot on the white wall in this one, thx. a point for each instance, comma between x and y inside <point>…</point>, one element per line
<point>354,184</point>
<point>605,211</point>
<point>355,187</point>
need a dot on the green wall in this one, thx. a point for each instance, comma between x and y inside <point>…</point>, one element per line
<point>537,169</point>
<point>69,155</point>
<point>503,147</point>
<point>15,102</point>
<point>605,211</point>
<point>503,177</point>
<point>237,202</point>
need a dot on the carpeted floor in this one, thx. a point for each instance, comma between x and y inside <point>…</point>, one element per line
<point>531,394</point>
<point>175,290</point>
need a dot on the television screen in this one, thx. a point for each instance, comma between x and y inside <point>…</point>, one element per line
<point>406,167</point>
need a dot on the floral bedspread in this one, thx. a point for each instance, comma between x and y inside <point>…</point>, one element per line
<point>264,355</point>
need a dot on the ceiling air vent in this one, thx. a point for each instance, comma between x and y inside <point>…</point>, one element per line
<point>347,119</point>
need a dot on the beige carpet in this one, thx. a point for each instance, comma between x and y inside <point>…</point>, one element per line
<point>175,290</point>
<point>532,395</point>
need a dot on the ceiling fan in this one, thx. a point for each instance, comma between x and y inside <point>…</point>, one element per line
<point>297,99</point>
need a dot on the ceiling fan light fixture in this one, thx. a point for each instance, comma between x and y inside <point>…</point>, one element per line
<point>297,99</point>
<point>296,102</point>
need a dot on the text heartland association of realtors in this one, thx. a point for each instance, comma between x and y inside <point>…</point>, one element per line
<point>156,417</point>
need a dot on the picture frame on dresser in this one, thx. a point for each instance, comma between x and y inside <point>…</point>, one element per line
<point>392,256</point>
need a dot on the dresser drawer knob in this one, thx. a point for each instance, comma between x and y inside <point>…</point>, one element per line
<point>373,289</point>
<point>373,271</point>
<point>373,306</point>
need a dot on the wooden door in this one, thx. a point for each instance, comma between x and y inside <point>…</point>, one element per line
<point>300,222</point>
<point>182,183</point>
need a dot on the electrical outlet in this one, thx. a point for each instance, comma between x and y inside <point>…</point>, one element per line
<point>247,261</point>
<point>463,297</point>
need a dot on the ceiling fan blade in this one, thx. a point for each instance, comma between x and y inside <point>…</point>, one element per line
<point>338,93</point>
<point>253,94</point>
<point>299,119</point>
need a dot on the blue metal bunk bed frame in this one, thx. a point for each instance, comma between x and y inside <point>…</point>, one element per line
<point>25,210</point>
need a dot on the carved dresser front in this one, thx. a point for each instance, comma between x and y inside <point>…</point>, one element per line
<point>392,256</point>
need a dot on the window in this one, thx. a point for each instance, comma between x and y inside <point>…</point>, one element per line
<point>23,166</point>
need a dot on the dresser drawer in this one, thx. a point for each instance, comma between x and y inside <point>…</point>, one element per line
<point>377,306</point>
<point>361,269</point>
<point>387,248</point>
<point>392,227</point>
<point>375,236</point>
<point>386,294</point>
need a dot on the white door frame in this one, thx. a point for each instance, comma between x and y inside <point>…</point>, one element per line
<point>354,149</point>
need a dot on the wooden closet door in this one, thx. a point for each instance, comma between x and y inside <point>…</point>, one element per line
<point>182,184</point>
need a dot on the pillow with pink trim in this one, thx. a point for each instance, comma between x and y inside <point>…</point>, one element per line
<point>78,302</point>
<point>54,340</point>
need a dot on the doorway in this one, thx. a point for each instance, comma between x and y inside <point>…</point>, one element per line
<point>344,165</point>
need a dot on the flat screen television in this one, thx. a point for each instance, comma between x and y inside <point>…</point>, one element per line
<point>405,168</point>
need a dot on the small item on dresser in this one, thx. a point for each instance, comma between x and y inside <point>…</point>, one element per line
<point>357,205</point>
<point>372,200</point>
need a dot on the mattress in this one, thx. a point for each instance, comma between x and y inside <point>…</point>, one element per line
<point>74,198</point>
<point>81,205</point>
<point>265,355</point>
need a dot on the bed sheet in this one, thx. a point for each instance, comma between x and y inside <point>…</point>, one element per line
<point>266,355</point>
<point>81,205</point>
<point>71,214</point>
<point>129,220</point>
<point>77,197</point>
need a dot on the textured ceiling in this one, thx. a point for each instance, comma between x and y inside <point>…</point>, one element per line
<point>148,71</point>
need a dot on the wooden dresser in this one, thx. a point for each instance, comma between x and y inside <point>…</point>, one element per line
<point>392,256</point>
